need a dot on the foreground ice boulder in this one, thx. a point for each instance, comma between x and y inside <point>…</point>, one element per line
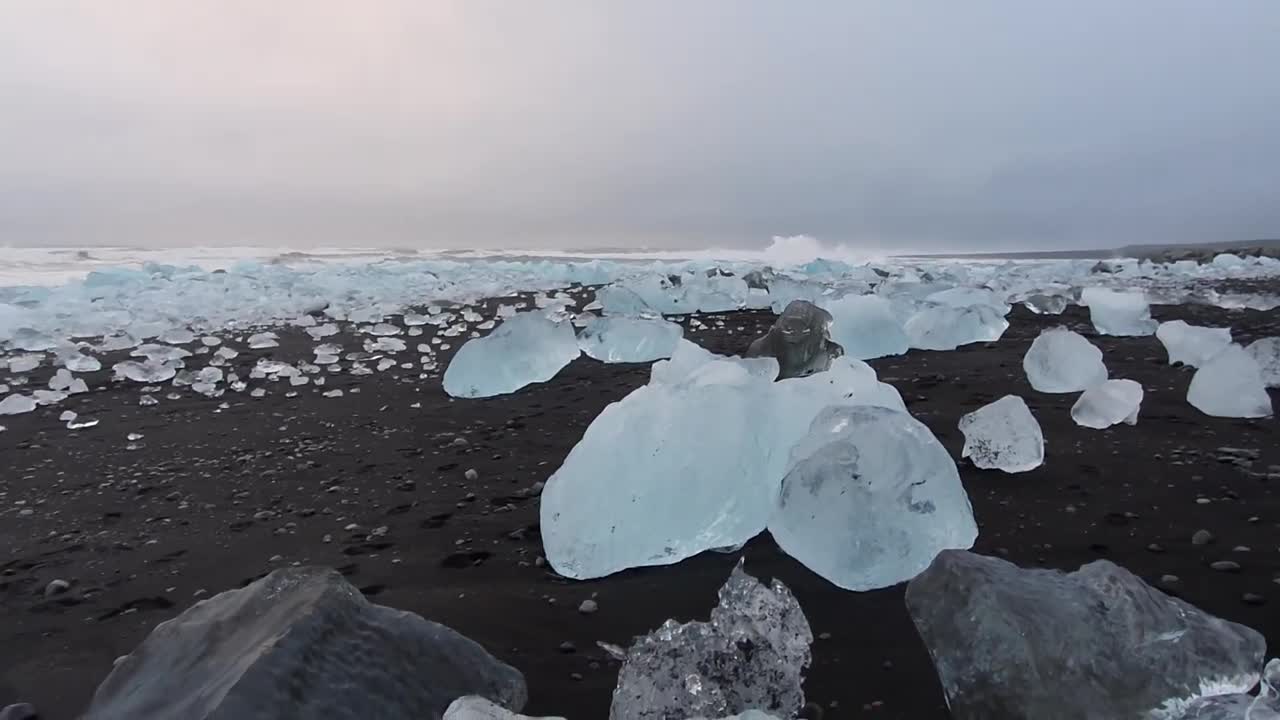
<point>1230,385</point>
<point>473,707</point>
<point>1264,706</point>
<point>751,655</point>
<point>300,643</point>
<point>1094,643</point>
<point>1190,344</point>
<point>16,404</point>
<point>865,326</point>
<point>1062,361</point>
<point>1107,404</point>
<point>870,499</point>
<point>943,327</point>
<point>525,349</point>
<point>629,340</point>
<point>1266,352</point>
<point>1003,435</point>
<point>799,341</point>
<point>1119,312</point>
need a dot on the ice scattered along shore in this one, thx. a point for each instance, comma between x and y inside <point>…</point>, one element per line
<point>1003,435</point>
<point>865,326</point>
<point>1119,312</point>
<point>1266,352</point>
<point>473,707</point>
<point>527,348</point>
<point>1009,642</point>
<point>870,498</point>
<point>944,327</point>
<point>17,404</point>
<point>629,340</point>
<point>250,653</point>
<point>1062,361</point>
<point>1190,344</point>
<point>751,655</point>
<point>1107,404</point>
<point>1230,385</point>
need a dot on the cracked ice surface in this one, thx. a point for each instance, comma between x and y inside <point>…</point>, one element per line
<point>1003,435</point>
<point>1062,361</point>
<point>751,655</point>
<point>1009,642</point>
<point>525,349</point>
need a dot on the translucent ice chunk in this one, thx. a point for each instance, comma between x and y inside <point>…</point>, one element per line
<point>1107,404</point>
<point>263,340</point>
<point>629,340</point>
<point>473,707</point>
<point>943,327</point>
<point>870,498</point>
<point>1003,435</point>
<point>1046,304</point>
<point>1266,352</point>
<point>800,340</point>
<point>525,349</point>
<point>24,363</point>
<point>159,353</point>
<point>77,362</point>
<point>144,372</point>
<point>1062,361</point>
<point>751,655</point>
<point>1230,385</point>
<point>865,326</point>
<point>1190,344</point>
<point>1094,643</point>
<point>177,336</point>
<point>16,404</point>
<point>1118,312</point>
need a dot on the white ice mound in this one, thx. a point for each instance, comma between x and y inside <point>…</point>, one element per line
<point>1003,436</point>
<point>943,327</point>
<point>525,349</point>
<point>751,655</point>
<point>17,404</point>
<point>1094,643</point>
<point>1190,344</point>
<point>1107,404</point>
<point>1230,385</point>
<point>629,340</point>
<point>474,707</point>
<point>1062,361</point>
<point>1266,352</point>
<point>1119,312</point>
<point>870,498</point>
<point>865,326</point>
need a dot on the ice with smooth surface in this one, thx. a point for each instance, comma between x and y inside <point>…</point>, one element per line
<point>1264,706</point>
<point>870,498</point>
<point>1230,385</point>
<point>629,340</point>
<point>17,404</point>
<point>1119,312</point>
<point>1191,344</point>
<point>1009,642</point>
<point>1062,361</point>
<point>300,643</point>
<point>527,348</point>
<point>865,326</point>
<point>474,707</point>
<point>945,327</point>
<point>1266,352</point>
<point>1107,404</point>
<point>149,371</point>
<point>1003,435</point>
<point>751,655</point>
<point>1046,304</point>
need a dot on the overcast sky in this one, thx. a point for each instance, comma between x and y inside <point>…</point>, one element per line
<point>665,123</point>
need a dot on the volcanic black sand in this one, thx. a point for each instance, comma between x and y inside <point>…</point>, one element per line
<point>212,498</point>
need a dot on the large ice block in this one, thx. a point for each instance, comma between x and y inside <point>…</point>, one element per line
<point>1190,344</point>
<point>1230,385</point>
<point>1266,352</point>
<point>1107,404</point>
<point>1003,435</point>
<point>751,655</point>
<point>1062,361</point>
<point>527,348</point>
<point>1009,642</point>
<point>944,327</point>
<point>865,326</point>
<point>870,498</point>
<point>1118,312</point>
<point>629,340</point>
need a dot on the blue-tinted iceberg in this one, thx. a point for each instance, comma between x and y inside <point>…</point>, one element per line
<point>865,326</point>
<point>525,349</point>
<point>1003,435</point>
<point>1119,312</point>
<point>944,327</point>
<point>629,340</point>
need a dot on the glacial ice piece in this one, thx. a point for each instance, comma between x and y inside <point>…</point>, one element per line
<point>748,715</point>
<point>1190,344</point>
<point>1266,352</point>
<point>629,340</point>
<point>870,498</point>
<point>17,404</point>
<point>1265,706</point>
<point>1046,304</point>
<point>799,341</point>
<point>1118,312</point>
<point>1094,643</point>
<point>24,363</point>
<point>262,341</point>
<point>474,707</point>
<point>1062,361</point>
<point>865,326</point>
<point>300,643</point>
<point>1230,385</point>
<point>1107,404</point>
<point>144,372</point>
<point>159,353</point>
<point>1003,435</point>
<point>525,349</point>
<point>177,336</point>
<point>943,327</point>
<point>78,362</point>
<point>751,655</point>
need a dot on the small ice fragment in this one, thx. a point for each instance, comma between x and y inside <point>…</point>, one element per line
<point>1266,352</point>
<point>78,362</point>
<point>133,437</point>
<point>321,331</point>
<point>146,400</point>
<point>24,363</point>
<point>61,380</point>
<point>177,336</point>
<point>1230,385</point>
<point>1045,304</point>
<point>77,424</point>
<point>525,349</point>
<point>384,329</point>
<point>1190,344</point>
<point>210,341</point>
<point>257,392</point>
<point>263,340</point>
<point>144,372</point>
<point>226,353</point>
<point>1003,435</point>
<point>1107,404</point>
<point>474,707</point>
<point>335,393</point>
<point>159,353</point>
<point>1062,361</point>
<point>1118,312</point>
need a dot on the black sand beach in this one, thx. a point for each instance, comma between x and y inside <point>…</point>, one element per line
<point>212,498</point>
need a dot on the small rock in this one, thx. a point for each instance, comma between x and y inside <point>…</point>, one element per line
<point>575,676</point>
<point>588,607</point>
<point>1202,537</point>
<point>471,475</point>
<point>55,587</point>
<point>1225,566</point>
<point>1253,599</point>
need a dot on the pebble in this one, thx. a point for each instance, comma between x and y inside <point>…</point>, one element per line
<point>1202,537</point>
<point>588,607</point>
<point>1225,566</point>
<point>471,474</point>
<point>56,587</point>
<point>1253,599</point>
